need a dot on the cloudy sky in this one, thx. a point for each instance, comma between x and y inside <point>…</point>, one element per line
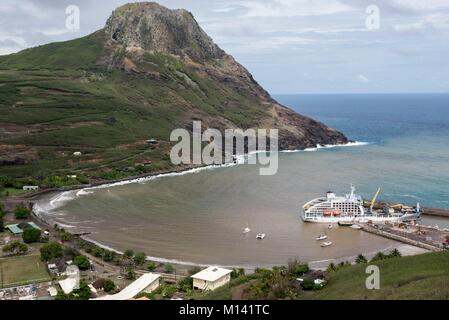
<point>290,46</point>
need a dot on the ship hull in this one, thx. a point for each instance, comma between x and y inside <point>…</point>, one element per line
<point>359,219</point>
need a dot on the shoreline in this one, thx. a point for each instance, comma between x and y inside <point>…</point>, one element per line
<point>38,196</point>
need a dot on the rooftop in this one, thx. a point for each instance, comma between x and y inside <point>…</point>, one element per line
<point>211,274</point>
<point>133,289</point>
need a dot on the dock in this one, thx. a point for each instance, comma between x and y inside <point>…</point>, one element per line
<point>425,237</point>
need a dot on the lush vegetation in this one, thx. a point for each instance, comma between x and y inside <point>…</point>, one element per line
<point>109,286</point>
<point>59,101</point>
<point>82,262</point>
<point>2,215</point>
<point>21,212</point>
<point>51,250</point>
<point>31,235</point>
<point>417,277</point>
<point>15,248</point>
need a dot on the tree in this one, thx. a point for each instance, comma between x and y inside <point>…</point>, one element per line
<point>31,235</point>
<point>395,253</point>
<point>236,273</point>
<point>2,210</point>
<point>51,250</point>
<point>21,212</point>
<point>130,273</point>
<point>296,269</point>
<point>332,267</point>
<point>307,284</point>
<point>109,256</point>
<point>168,268</point>
<point>361,259</point>
<point>2,225</point>
<point>16,248</point>
<point>151,266</point>
<point>82,262</point>
<point>109,286</point>
<point>128,254</point>
<point>379,256</point>
<point>140,258</point>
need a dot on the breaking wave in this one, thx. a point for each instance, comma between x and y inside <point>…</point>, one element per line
<point>329,146</point>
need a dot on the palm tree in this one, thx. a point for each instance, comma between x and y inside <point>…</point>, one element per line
<point>379,256</point>
<point>395,253</point>
<point>360,259</point>
<point>332,267</point>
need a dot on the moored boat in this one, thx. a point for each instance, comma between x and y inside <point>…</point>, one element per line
<point>326,244</point>
<point>350,209</point>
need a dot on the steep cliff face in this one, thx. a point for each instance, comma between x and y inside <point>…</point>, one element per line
<point>150,28</point>
<point>148,71</point>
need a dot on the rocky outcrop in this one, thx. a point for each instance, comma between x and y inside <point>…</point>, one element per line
<point>140,28</point>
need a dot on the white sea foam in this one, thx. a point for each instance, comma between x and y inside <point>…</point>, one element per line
<point>84,192</point>
<point>329,146</point>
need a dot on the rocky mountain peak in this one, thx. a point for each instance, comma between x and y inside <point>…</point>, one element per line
<point>152,27</point>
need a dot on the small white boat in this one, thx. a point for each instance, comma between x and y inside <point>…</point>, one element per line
<point>326,244</point>
<point>247,230</point>
<point>321,238</point>
<point>261,236</point>
<point>356,227</point>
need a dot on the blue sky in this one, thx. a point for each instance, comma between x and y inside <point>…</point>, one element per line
<point>290,46</point>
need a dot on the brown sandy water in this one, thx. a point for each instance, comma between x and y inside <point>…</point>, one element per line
<point>199,217</point>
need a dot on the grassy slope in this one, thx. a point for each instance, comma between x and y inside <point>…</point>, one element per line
<point>68,102</point>
<point>418,277</point>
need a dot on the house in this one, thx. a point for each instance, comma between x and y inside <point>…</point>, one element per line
<point>30,188</point>
<point>72,176</point>
<point>14,229</point>
<point>146,283</point>
<point>69,284</point>
<point>77,154</point>
<point>17,229</point>
<point>52,292</point>
<point>211,278</point>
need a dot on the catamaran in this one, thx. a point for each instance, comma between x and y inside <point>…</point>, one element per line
<point>350,209</point>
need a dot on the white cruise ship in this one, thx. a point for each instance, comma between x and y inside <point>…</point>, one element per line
<point>350,208</point>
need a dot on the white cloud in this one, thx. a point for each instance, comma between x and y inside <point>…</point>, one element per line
<point>422,4</point>
<point>436,20</point>
<point>293,8</point>
<point>224,10</point>
<point>363,79</point>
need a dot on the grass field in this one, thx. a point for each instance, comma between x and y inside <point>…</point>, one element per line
<point>16,271</point>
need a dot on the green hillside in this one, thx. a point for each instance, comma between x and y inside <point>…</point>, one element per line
<point>105,94</point>
<point>418,277</point>
<point>61,106</point>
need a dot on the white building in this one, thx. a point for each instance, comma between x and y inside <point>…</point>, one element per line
<point>146,283</point>
<point>211,278</point>
<point>30,188</point>
<point>69,284</point>
<point>77,154</point>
